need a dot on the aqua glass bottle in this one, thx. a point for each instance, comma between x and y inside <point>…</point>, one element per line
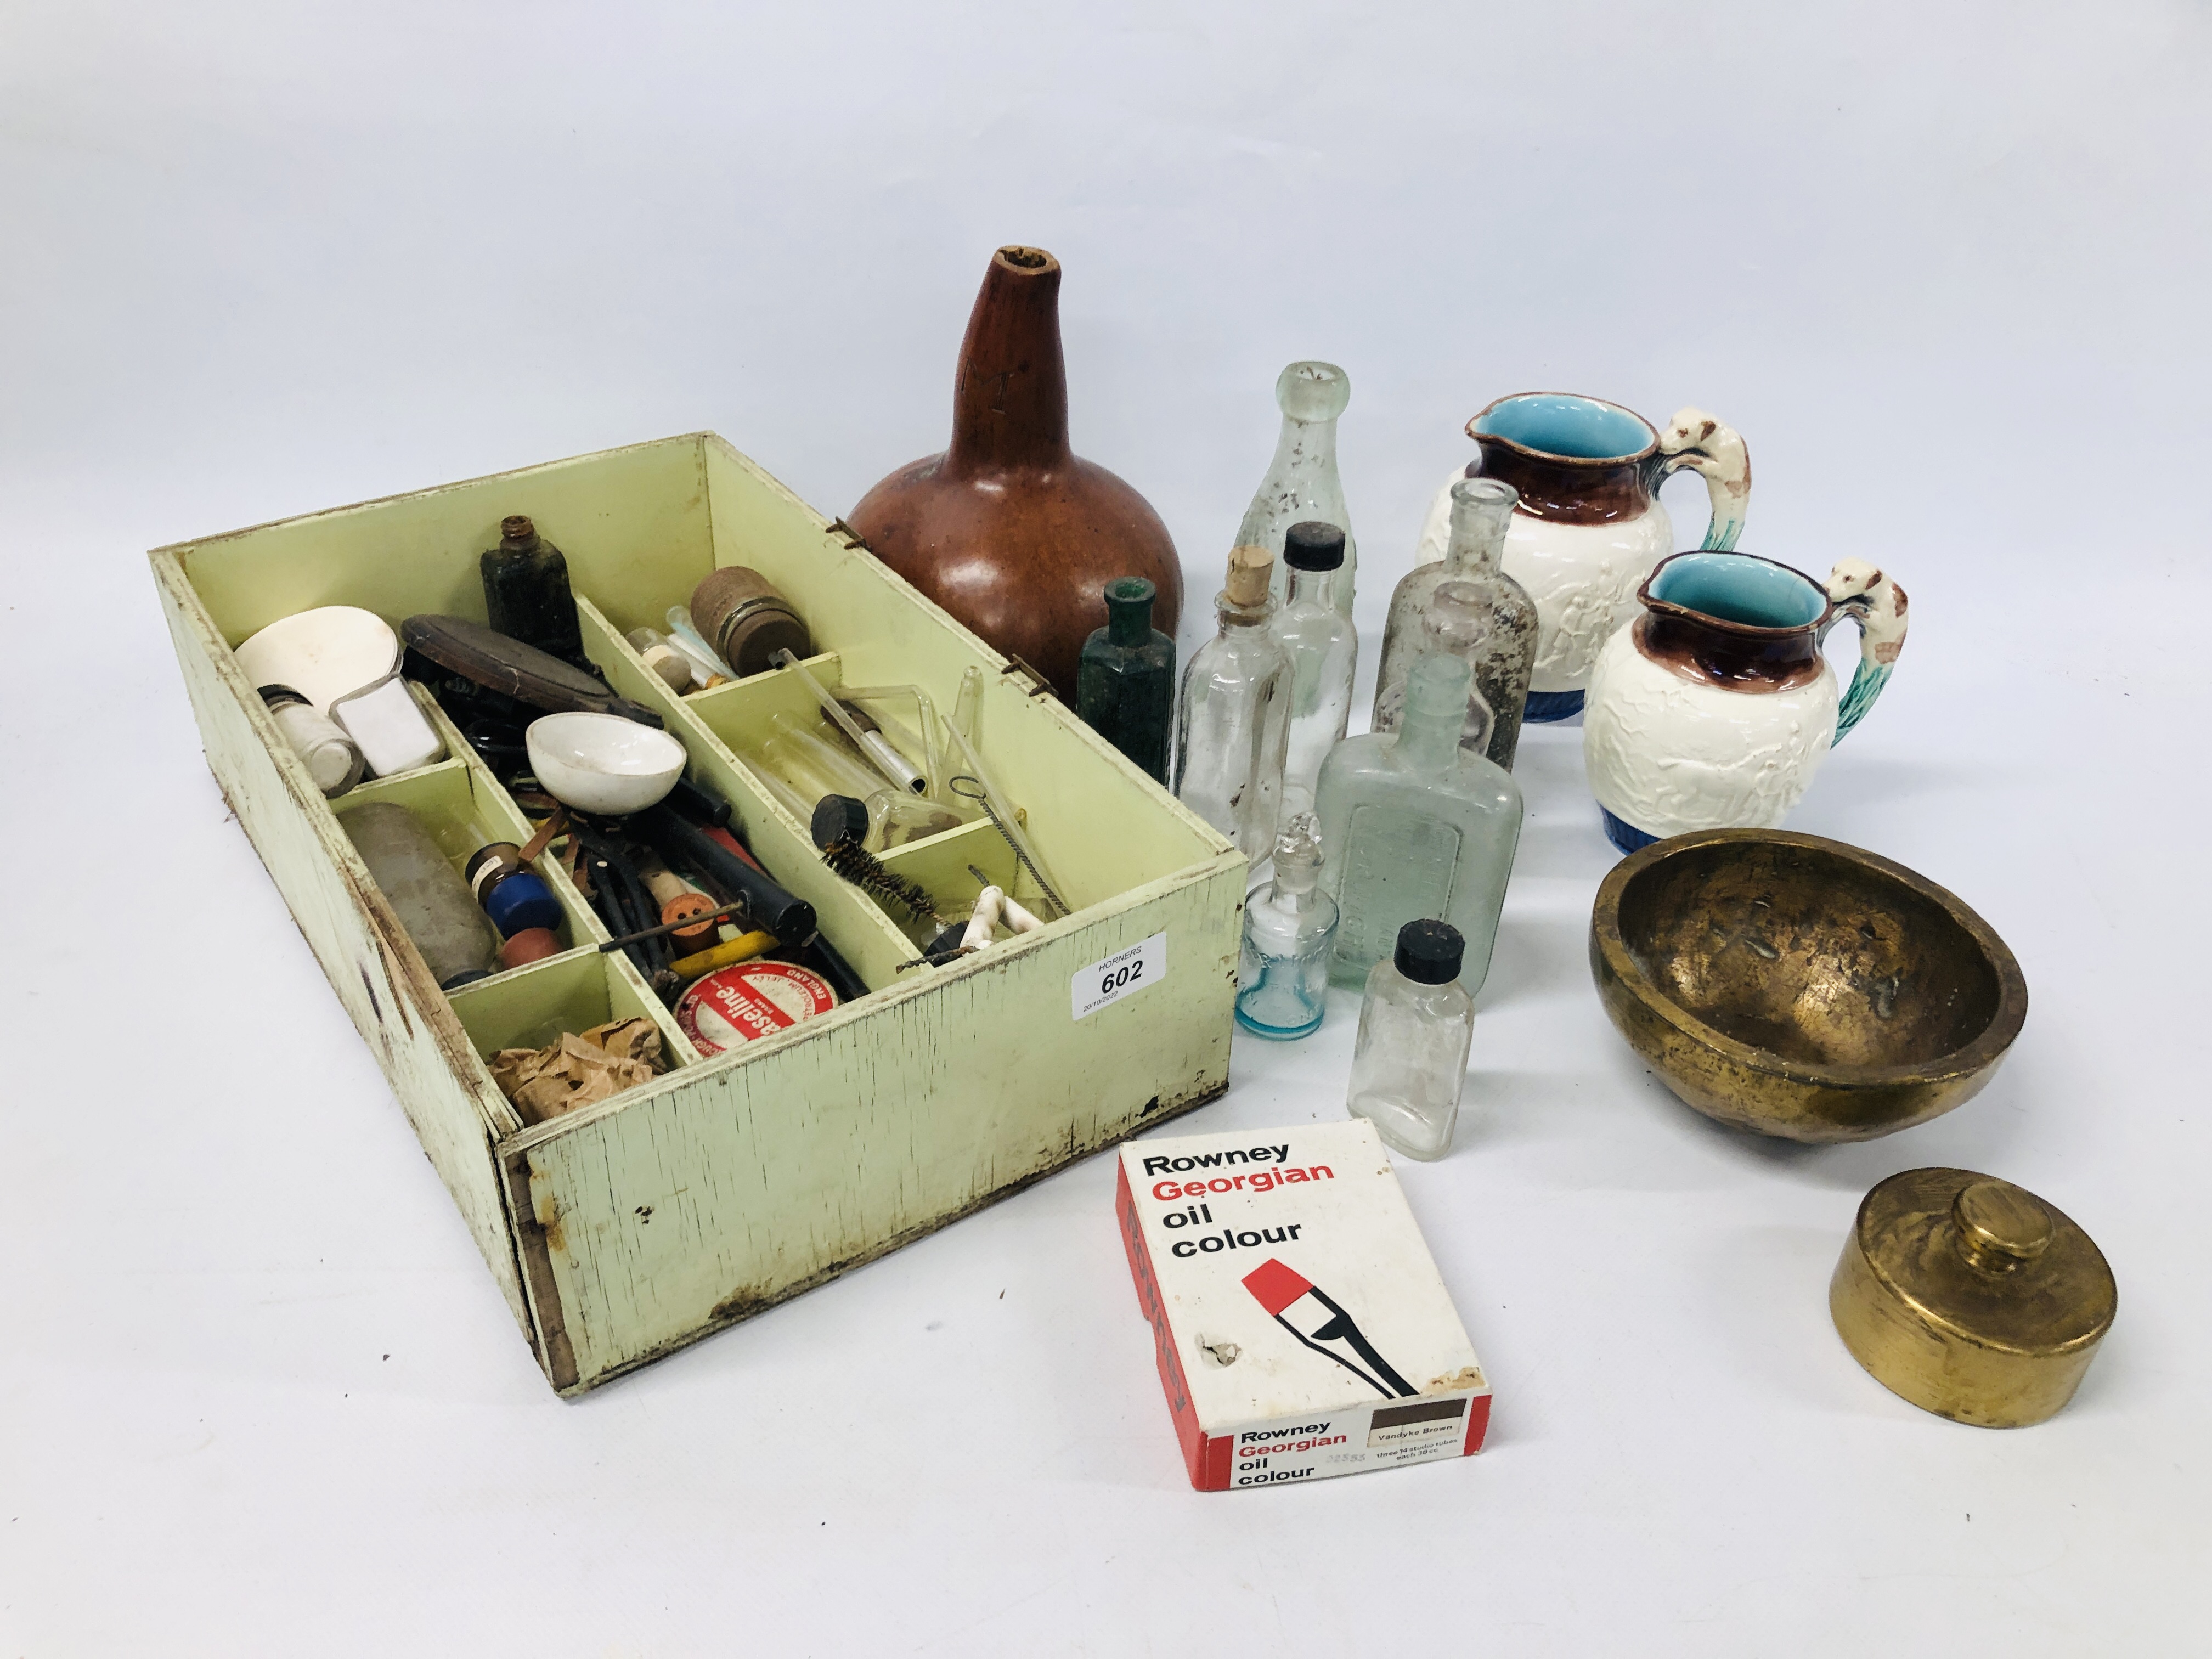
<point>1302,481</point>
<point>1415,826</point>
<point>1323,648</point>
<point>1125,680</point>
<point>1282,972</point>
<point>1466,607</point>
<point>1233,722</point>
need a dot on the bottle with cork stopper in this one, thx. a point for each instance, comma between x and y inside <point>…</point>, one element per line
<point>1232,728</point>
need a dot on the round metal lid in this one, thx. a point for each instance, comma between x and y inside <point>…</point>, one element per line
<point>1987,1260</point>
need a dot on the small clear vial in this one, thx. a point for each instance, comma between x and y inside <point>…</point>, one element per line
<point>675,670</point>
<point>1415,1027</point>
<point>1282,974</point>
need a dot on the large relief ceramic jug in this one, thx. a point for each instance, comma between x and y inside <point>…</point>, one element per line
<point>1589,526</point>
<point>1713,709</point>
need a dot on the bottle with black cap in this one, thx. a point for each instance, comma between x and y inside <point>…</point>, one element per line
<point>880,819</point>
<point>1323,649</point>
<point>1415,1026</point>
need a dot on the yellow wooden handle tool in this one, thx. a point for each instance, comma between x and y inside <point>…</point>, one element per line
<point>744,948</point>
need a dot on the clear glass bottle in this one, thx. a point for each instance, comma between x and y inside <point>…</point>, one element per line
<point>1469,608</point>
<point>1323,648</point>
<point>1409,1063</point>
<point>1125,681</point>
<point>1415,825</point>
<point>1302,481</point>
<point>803,769</point>
<point>1282,972</point>
<point>674,669</point>
<point>1233,723</point>
<point>333,759</point>
<point>882,818</point>
<point>806,756</point>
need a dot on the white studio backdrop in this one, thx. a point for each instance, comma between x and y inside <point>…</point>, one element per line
<point>1942,265</point>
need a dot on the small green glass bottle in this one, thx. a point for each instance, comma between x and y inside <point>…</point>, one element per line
<point>1125,683</point>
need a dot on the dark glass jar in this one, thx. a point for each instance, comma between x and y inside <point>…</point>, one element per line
<point>1125,681</point>
<point>526,595</point>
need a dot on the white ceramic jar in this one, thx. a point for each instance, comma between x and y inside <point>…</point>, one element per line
<point>1589,526</point>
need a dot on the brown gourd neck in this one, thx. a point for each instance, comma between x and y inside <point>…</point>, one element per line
<point>1010,402</point>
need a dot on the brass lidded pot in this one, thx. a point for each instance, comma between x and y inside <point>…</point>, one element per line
<point>1971,1298</point>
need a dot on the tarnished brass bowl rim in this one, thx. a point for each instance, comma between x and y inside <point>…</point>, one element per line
<point>1986,1047</point>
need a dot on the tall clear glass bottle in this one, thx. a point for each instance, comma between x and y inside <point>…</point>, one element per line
<point>1302,481</point>
<point>1415,825</point>
<point>1469,608</point>
<point>1282,972</point>
<point>1233,723</point>
<point>1409,1063</point>
<point>1323,648</point>
<point>1125,679</point>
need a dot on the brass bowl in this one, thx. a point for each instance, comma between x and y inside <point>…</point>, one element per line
<point>1800,987</point>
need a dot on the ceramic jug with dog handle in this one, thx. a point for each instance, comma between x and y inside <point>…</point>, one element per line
<point>1714,708</point>
<point>1588,525</point>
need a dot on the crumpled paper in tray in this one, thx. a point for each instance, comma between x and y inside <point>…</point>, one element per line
<point>579,1068</point>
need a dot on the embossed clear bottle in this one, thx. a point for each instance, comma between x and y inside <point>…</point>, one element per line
<point>1469,608</point>
<point>1282,972</point>
<point>1409,1063</point>
<point>1233,723</point>
<point>1415,825</point>
<point>1323,648</point>
<point>1302,481</point>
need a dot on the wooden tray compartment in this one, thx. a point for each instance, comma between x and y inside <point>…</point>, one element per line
<point>631,1227</point>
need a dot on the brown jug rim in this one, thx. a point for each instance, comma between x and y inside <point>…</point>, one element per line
<point>1650,449</point>
<point>1742,630</point>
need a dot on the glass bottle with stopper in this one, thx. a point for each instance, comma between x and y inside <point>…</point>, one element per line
<point>1415,824</point>
<point>1282,972</point>
<point>1125,681</point>
<point>1233,723</point>
<point>1323,648</point>
<point>1301,481</point>
<point>1466,607</point>
<point>1416,1025</point>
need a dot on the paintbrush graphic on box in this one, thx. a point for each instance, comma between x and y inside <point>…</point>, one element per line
<point>1314,1317</point>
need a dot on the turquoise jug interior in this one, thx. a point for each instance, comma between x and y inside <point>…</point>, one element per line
<point>1732,588</point>
<point>1560,423</point>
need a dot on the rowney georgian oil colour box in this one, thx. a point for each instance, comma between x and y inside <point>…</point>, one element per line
<point>1303,1330</point>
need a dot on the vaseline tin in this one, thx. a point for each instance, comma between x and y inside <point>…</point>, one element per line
<point>732,1005</point>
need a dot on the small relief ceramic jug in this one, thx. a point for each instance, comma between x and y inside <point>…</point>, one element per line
<point>1588,525</point>
<point>1714,708</point>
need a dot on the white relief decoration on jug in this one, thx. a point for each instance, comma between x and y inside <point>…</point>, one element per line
<point>1670,755</point>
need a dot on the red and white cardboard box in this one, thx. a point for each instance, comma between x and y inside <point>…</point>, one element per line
<point>1302,1327</point>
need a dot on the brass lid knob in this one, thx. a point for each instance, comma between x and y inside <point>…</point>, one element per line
<point>1971,1298</point>
<point>2000,1226</point>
